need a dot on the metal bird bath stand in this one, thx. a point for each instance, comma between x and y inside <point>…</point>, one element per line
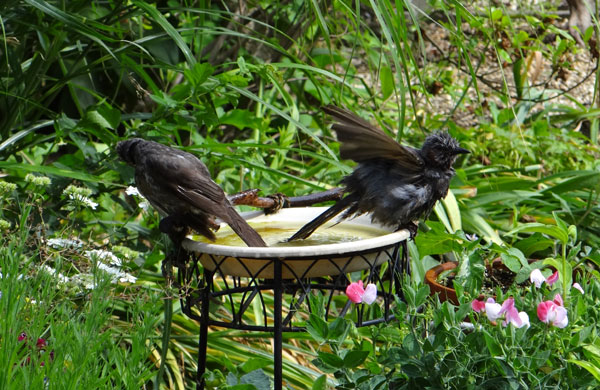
<point>240,278</point>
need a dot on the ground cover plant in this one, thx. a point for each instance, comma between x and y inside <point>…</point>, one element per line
<point>241,86</point>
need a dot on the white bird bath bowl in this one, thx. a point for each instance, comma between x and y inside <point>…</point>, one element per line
<point>299,260</point>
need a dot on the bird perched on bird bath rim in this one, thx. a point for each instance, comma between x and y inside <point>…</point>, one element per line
<point>397,184</point>
<point>179,186</point>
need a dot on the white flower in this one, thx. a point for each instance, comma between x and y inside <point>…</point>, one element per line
<point>537,278</point>
<point>61,278</point>
<point>133,191</point>
<point>370,294</point>
<point>116,274</point>
<point>59,243</point>
<point>524,320</point>
<point>103,255</point>
<point>472,237</point>
<point>85,280</point>
<point>125,277</point>
<point>492,309</point>
<point>84,200</point>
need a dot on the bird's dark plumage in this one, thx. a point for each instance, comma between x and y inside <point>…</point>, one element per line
<point>179,186</point>
<point>397,184</point>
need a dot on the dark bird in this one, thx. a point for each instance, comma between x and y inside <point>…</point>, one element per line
<point>179,186</point>
<point>397,184</point>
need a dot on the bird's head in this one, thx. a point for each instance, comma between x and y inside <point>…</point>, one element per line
<point>127,150</point>
<point>441,149</point>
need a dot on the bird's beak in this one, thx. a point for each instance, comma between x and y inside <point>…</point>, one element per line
<point>461,151</point>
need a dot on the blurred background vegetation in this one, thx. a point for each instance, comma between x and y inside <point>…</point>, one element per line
<point>240,84</point>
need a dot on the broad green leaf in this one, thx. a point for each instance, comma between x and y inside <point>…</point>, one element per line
<point>105,117</point>
<point>199,73</point>
<point>331,359</point>
<point>258,379</point>
<point>440,212</point>
<point>355,358</point>
<point>492,344</point>
<point>241,119</point>
<point>553,231</point>
<point>338,330</point>
<point>317,328</point>
<point>421,295</point>
<point>320,383</point>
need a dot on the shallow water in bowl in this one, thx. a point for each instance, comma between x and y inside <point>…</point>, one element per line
<point>276,234</point>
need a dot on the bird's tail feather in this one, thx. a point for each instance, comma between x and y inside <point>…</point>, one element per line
<point>325,216</point>
<point>242,229</point>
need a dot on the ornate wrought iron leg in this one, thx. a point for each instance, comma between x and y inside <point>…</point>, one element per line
<point>277,327</point>
<point>203,341</point>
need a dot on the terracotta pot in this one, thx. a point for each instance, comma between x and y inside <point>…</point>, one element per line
<point>431,278</point>
<point>448,293</point>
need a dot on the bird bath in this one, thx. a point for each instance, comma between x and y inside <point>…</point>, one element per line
<point>349,246</point>
<point>269,289</point>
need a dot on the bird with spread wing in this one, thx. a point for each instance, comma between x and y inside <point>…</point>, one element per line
<point>397,184</point>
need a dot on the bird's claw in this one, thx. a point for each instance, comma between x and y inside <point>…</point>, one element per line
<point>412,227</point>
<point>279,201</point>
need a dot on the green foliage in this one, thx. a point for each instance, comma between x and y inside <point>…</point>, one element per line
<point>435,349</point>
<point>64,323</point>
<point>241,87</point>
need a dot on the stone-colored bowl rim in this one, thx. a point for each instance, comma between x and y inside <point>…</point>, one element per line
<point>302,215</point>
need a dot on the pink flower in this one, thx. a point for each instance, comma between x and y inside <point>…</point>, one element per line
<point>356,293</point>
<point>552,312</point>
<point>512,315</point>
<point>478,305</point>
<point>577,286</point>
<point>510,311</point>
<point>494,311</point>
<point>537,278</point>
<point>552,278</point>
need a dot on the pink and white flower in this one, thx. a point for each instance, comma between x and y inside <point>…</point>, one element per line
<point>578,287</point>
<point>357,293</point>
<point>494,311</point>
<point>478,305</point>
<point>512,315</point>
<point>537,278</point>
<point>553,312</point>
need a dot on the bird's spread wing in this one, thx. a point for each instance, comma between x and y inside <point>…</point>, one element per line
<point>188,179</point>
<point>361,141</point>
